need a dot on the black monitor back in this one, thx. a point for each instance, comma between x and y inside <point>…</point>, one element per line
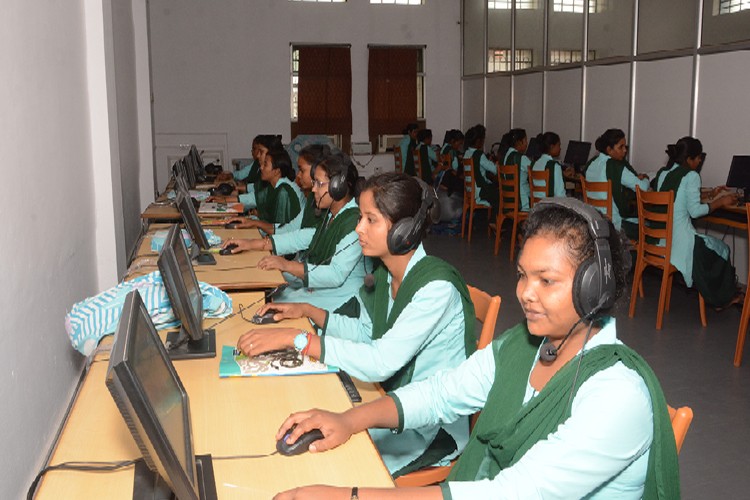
<point>739,172</point>
<point>577,153</point>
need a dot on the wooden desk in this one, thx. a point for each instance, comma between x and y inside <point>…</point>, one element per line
<point>237,416</point>
<point>735,217</point>
<point>235,272</point>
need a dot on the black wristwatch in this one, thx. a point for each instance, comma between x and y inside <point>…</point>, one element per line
<point>355,493</point>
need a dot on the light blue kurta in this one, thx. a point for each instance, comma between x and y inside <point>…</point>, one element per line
<point>295,225</point>
<point>241,174</point>
<point>249,201</point>
<point>688,206</point>
<point>539,166</point>
<point>431,154</point>
<point>597,172</point>
<point>485,166</point>
<point>331,283</point>
<point>431,327</point>
<point>523,178</point>
<point>448,149</point>
<point>600,452</point>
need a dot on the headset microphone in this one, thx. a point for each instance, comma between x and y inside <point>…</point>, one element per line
<point>548,351</point>
<point>369,281</point>
<point>318,210</point>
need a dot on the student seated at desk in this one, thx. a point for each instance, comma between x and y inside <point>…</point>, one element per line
<point>702,259</point>
<point>330,269</point>
<point>611,164</point>
<point>427,154</point>
<point>407,145</point>
<point>516,142</point>
<point>452,178</point>
<point>282,200</point>
<point>568,411</point>
<point>550,148</point>
<point>486,190</point>
<point>250,173</point>
<point>309,217</point>
<point>414,320</point>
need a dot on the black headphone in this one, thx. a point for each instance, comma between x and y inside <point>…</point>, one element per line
<point>404,235</point>
<point>594,284</point>
<point>338,188</point>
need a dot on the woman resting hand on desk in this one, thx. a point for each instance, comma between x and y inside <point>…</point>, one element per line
<point>308,218</point>
<point>555,423</point>
<point>330,268</point>
<point>702,259</point>
<point>414,320</point>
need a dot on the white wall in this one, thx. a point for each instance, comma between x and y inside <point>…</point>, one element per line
<point>473,103</point>
<point>562,110</point>
<point>528,99</point>
<point>498,108</point>
<point>607,100</point>
<point>224,67</point>
<point>65,242</point>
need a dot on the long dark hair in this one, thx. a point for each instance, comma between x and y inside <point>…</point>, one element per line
<point>474,135</point>
<point>685,148</point>
<point>280,161</point>
<point>397,196</point>
<point>547,140</point>
<point>609,139</point>
<point>338,163</point>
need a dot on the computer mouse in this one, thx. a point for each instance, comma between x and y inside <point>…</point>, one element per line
<point>265,318</point>
<point>227,250</point>
<point>300,445</point>
<point>231,225</point>
<point>224,189</point>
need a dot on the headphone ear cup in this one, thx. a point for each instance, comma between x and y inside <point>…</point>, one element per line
<point>337,187</point>
<point>586,293</point>
<point>399,236</point>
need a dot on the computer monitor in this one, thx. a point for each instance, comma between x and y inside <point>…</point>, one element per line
<point>154,404</point>
<point>189,173</point>
<point>200,169</point>
<point>577,153</point>
<point>739,172</point>
<point>191,341</point>
<point>180,182</point>
<point>200,246</point>
<point>534,149</point>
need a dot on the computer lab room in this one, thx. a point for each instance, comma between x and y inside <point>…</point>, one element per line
<point>375,249</point>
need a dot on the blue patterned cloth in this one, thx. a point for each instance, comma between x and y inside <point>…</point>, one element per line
<point>93,318</point>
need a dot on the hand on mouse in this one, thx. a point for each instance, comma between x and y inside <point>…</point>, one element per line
<point>258,341</point>
<point>335,427</point>
<point>315,492</point>
<point>244,222</point>
<point>241,244</point>
<point>285,310</point>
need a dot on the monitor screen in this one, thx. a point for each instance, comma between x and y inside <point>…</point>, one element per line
<point>739,172</point>
<point>181,283</point>
<point>197,160</point>
<point>577,153</point>
<point>149,394</point>
<point>189,173</point>
<point>190,217</point>
<point>180,182</point>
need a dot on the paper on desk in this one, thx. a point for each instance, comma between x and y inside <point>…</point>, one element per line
<point>269,364</point>
<point>220,208</point>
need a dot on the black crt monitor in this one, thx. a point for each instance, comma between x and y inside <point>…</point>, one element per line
<point>189,174</point>
<point>155,406</point>
<point>200,169</point>
<point>191,341</point>
<point>199,248</point>
<point>739,173</point>
<point>180,183</point>
<point>534,150</point>
<point>577,154</point>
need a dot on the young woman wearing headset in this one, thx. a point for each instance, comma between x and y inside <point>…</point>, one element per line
<point>330,269</point>
<point>568,411</point>
<point>414,319</point>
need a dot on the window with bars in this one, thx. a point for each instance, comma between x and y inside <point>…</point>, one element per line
<point>295,84</point>
<point>557,57</point>
<point>320,1</point>
<point>576,6</point>
<point>397,2</point>
<point>498,60</point>
<point>508,4</point>
<point>732,6</point>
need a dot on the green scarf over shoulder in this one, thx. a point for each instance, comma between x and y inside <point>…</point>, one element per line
<point>310,218</point>
<point>327,236</point>
<point>428,269</point>
<point>550,167</point>
<point>275,208</point>
<point>507,428</point>
<point>622,197</point>
<point>479,179</point>
<point>424,157</point>
<point>253,175</point>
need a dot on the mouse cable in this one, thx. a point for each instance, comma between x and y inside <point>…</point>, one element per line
<point>241,457</point>
<point>78,466</point>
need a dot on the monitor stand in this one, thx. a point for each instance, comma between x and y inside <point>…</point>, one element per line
<point>191,349</point>
<point>148,484</point>
<point>201,257</point>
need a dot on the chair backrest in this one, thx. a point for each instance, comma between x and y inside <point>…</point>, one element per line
<point>604,205</point>
<point>681,418</point>
<point>508,180</point>
<point>445,162</point>
<point>538,182</point>
<point>486,308</point>
<point>417,163</point>
<point>397,160</point>
<point>655,224</point>
<point>469,185</point>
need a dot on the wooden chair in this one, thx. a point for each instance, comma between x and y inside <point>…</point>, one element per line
<point>486,309</point>
<point>470,200</point>
<point>538,189</point>
<point>398,162</point>
<point>649,254</point>
<point>417,163</point>
<point>509,205</point>
<point>681,419</point>
<point>745,318</point>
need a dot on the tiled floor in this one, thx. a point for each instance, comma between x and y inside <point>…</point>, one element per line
<point>693,364</point>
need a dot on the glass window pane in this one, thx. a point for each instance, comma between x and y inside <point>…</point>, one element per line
<point>655,35</point>
<point>611,28</point>
<point>473,29</point>
<point>565,36</point>
<point>499,37</point>
<point>725,21</point>
<point>530,36</point>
